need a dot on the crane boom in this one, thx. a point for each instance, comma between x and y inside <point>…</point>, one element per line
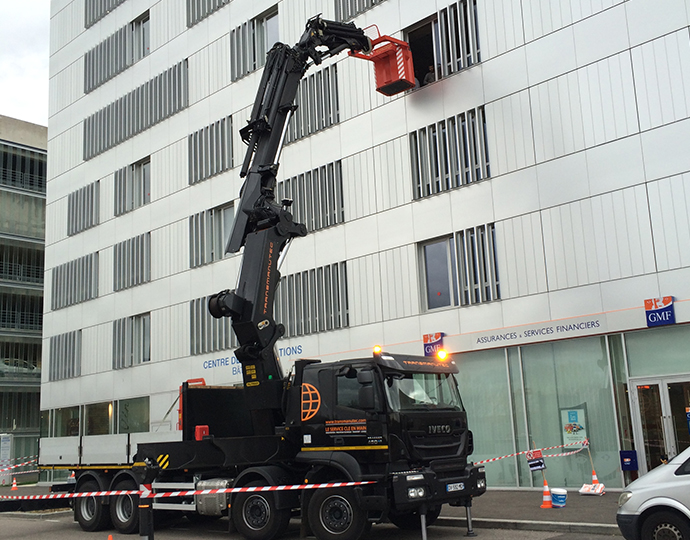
<point>263,226</point>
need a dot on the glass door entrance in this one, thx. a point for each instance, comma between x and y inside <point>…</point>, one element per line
<point>663,428</point>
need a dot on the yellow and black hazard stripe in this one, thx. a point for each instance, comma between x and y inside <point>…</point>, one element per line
<point>163,461</point>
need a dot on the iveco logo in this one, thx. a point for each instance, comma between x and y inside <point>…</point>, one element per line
<point>439,430</point>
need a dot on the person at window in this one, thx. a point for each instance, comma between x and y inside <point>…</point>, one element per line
<point>430,76</point>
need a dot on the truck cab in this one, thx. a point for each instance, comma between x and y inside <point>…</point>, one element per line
<point>397,418</point>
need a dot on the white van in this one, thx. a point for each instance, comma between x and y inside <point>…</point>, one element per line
<point>657,505</point>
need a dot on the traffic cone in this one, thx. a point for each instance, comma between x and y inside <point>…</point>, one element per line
<point>595,480</point>
<point>14,484</point>
<point>110,537</point>
<point>547,496</point>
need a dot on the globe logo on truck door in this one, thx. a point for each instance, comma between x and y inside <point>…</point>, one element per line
<point>311,401</point>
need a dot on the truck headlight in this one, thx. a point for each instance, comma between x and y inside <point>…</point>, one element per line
<point>414,477</point>
<point>481,483</point>
<point>416,493</point>
<point>624,498</point>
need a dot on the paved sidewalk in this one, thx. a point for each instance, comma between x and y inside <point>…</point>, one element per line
<point>521,509</point>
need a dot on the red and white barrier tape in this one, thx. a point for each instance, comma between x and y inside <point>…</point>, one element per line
<point>567,453</point>
<point>18,465</point>
<point>584,444</point>
<point>4,462</point>
<point>16,473</point>
<point>146,494</point>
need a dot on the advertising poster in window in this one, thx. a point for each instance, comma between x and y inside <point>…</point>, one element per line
<point>574,424</point>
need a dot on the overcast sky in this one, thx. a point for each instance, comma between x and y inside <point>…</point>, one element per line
<point>24,33</point>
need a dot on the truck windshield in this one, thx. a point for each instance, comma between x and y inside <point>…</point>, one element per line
<point>415,391</point>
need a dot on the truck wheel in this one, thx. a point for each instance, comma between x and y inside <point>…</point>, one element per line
<point>665,525</point>
<point>411,521</point>
<point>334,514</point>
<point>89,512</point>
<point>255,515</point>
<point>124,509</point>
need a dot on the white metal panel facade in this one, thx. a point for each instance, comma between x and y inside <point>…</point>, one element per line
<point>587,153</point>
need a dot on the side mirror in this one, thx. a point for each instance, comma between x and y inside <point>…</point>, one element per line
<point>365,376</point>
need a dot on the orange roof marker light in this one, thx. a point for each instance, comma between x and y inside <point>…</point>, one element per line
<point>377,350</point>
<point>442,355</point>
<point>393,68</point>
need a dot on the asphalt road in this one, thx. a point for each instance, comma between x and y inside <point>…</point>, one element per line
<point>60,526</point>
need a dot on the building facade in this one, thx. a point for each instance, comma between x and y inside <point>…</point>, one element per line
<point>519,206</point>
<point>22,228</point>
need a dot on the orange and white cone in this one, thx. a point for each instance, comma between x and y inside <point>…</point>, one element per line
<point>595,480</point>
<point>14,485</point>
<point>546,497</point>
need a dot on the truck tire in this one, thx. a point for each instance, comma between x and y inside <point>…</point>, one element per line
<point>411,521</point>
<point>663,525</point>
<point>124,509</point>
<point>89,512</point>
<point>255,515</point>
<point>335,514</point>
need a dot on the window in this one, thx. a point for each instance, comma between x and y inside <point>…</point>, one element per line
<point>66,422</point>
<point>198,10</point>
<point>133,415</point>
<point>75,282</point>
<point>250,42</point>
<point>461,269</point>
<point>313,301</point>
<point>99,418</point>
<point>133,186</point>
<point>145,106</point>
<point>450,153</point>
<point>317,196</point>
<point>131,341</point>
<point>83,208</point>
<point>132,262</point>
<point>440,269</point>
<point>65,356</point>
<point>447,43</point>
<point>208,334</point>
<point>141,37</point>
<point>21,264</point>
<point>208,234</point>
<point>117,52</point>
<point>346,10</point>
<point>95,10</point>
<point>349,390</point>
<point>22,168</point>
<point>317,104</point>
<point>210,150</point>
<point>422,391</point>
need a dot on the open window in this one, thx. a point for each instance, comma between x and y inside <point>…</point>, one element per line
<point>445,43</point>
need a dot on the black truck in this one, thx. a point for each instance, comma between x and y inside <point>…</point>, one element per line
<point>394,424</point>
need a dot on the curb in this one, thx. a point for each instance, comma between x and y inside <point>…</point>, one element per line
<point>531,525</point>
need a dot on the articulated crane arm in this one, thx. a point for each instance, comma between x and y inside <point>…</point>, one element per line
<point>263,226</point>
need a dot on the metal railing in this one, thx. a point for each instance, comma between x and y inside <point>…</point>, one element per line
<point>22,180</point>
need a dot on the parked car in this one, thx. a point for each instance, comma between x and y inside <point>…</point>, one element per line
<point>14,367</point>
<point>657,505</point>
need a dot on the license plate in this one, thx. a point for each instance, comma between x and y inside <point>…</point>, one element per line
<point>455,487</point>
